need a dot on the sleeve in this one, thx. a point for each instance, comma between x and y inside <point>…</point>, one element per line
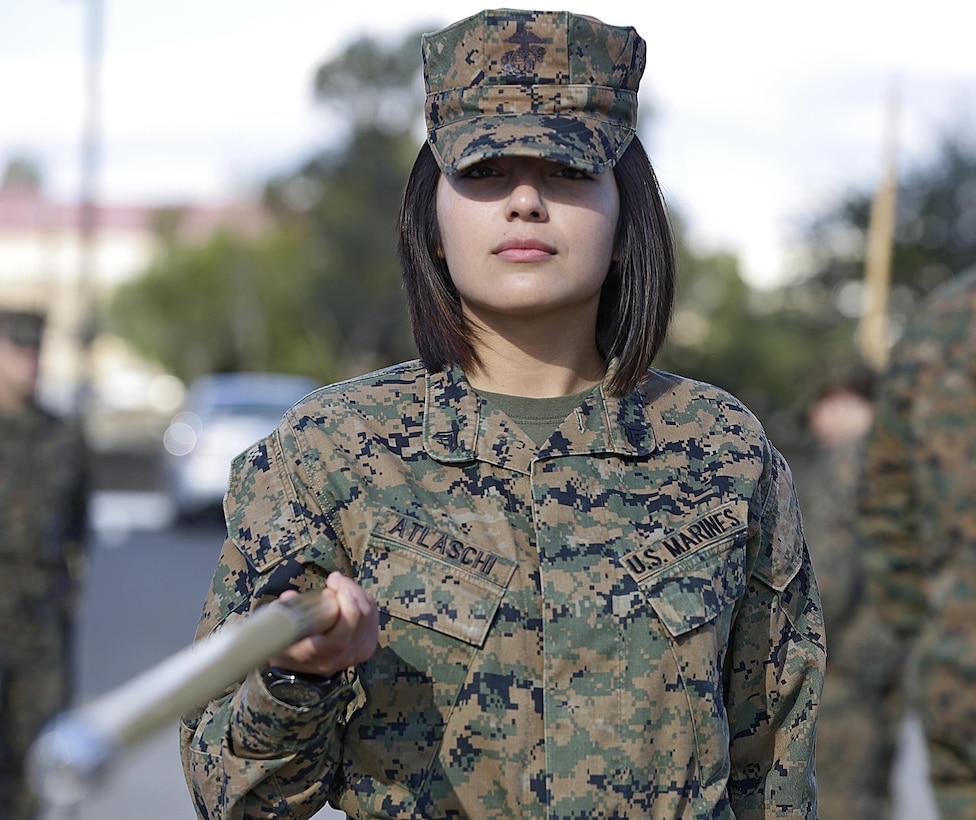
<point>66,536</point>
<point>887,505</point>
<point>776,661</point>
<point>82,490</point>
<point>245,754</point>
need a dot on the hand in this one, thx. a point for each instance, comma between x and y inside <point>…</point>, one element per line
<point>351,640</point>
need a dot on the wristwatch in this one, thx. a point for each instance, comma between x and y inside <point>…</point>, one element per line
<point>298,688</point>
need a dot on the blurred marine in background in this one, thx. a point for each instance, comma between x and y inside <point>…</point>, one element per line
<point>918,505</point>
<point>43,500</point>
<point>568,585</point>
<point>861,706</point>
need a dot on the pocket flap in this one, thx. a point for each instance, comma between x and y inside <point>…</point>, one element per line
<point>418,586</point>
<point>694,590</point>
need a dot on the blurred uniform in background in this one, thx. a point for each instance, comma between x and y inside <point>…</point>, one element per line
<point>43,500</point>
<point>861,705</point>
<point>918,512</point>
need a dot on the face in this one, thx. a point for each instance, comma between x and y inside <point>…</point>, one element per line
<point>841,418</point>
<point>528,237</point>
<point>18,373</point>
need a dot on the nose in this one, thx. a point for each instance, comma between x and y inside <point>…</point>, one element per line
<point>525,201</point>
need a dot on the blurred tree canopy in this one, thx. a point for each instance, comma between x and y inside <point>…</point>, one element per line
<point>934,238</point>
<point>775,349</point>
<point>221,306</point>
<point>21,173</point>
<point>727,333</point>
<point>320,294</point>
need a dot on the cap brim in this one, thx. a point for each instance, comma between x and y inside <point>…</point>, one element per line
<point>588,144</point>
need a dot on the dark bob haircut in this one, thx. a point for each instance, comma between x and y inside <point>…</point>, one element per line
<point>637,296</point>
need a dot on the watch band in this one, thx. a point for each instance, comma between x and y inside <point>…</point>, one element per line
<point>299,688</point>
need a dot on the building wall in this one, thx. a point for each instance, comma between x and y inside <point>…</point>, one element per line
<point>48,263</point>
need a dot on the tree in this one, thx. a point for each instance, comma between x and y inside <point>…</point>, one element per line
<point>934,239</point>
<point>320,294</point>
<point>21,174</point>
<point>786,344</point>
<point>374,87</point>
<point>728,334</point>
<point>352,195</point>
<point>231,303</point>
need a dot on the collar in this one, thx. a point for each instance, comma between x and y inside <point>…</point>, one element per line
<point>459,427</point>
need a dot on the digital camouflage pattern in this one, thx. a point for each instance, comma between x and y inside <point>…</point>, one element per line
<point>554,85</point>
<point>43,499</point>
<point>860,712</point>
<point>622,623</point>
<point>918,505</point>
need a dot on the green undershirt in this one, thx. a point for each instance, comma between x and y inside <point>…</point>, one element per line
<point>538,418</point>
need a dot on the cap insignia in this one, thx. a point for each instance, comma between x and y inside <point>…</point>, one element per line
<point>521,62</point>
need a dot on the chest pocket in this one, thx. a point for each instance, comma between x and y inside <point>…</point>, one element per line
<point>696,589</point>
<point>696,572</point>
<point>437,597</point>
<point>433,579</point>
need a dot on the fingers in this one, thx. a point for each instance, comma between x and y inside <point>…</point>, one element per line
<point>318,610</point>
<point>329,608</point>
<point>350,640</point>
<point>350,594</point>
<point>353,638</point>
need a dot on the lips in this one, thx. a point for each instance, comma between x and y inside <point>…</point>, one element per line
<point>524,250</point>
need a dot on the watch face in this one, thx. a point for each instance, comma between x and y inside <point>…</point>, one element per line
<point>296,693</point>
<point>296,690</point>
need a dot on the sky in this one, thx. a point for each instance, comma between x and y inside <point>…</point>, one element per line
<point>761,113</point>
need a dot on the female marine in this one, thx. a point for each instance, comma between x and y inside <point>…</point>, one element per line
<point>569,585</point>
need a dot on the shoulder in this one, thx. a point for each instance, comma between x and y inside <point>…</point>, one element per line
<point>61,430</point>
<point>935,353</point>
<point>678,400</point>
<point>371,394</point>
<point>955,297</point>
<point>704,423</point>
<point>943,321</point>
<point>328,420</point>
<point>699,420</point>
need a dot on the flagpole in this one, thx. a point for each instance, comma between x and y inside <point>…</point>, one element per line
<point>872,332</point>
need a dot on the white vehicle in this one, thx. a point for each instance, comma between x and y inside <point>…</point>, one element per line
<point>222,416</point>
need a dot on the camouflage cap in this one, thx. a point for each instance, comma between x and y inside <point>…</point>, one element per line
<point>22,327</point>
<point>547,84</point>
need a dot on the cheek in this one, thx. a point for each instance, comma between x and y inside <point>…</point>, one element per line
<point>607,232</point>
<point>444,213</point>
<point>604,245</point>
<point>454,229</point>
<point>19,369</point>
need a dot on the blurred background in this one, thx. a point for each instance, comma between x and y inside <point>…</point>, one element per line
<point>213,188</point>
<point>202,188</point>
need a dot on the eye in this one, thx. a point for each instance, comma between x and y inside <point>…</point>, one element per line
<point>480,171</point>
<point>566,172</point>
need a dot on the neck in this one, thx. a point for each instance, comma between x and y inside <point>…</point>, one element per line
<point>540,363</point>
